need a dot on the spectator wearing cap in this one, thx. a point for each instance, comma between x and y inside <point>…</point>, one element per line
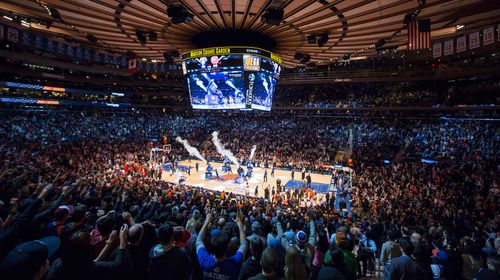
<point>303,243</point>
<point>407,267</point>
<point>168,259</point>
<point>251,266</point>
<point>269,264</point>
<point>29,260</point>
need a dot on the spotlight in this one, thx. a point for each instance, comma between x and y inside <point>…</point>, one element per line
<point>179,14</point>
<point>141,36</point>
<point>170,55</point>
<point>91,38</point>
<point>379,43</point>
<point>305,59</point>
<point>273,16</point>
<point>311,39</point>
<point>323,39</point>
<point>298,56</point>
<point>54,13</point>
<point>153,36</point>
<point>408,18</point>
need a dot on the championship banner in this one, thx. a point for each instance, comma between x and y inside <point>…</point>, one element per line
<point>1,32</point>
<point>488,36</point>
<point>132,65</point>
<point>12,35</point>
<point>474,40</point>
<point>437,50</point>
<point>448,47</point>
<point>461,44</point>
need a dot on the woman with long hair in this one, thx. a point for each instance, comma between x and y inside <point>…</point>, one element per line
<point>295,268</point>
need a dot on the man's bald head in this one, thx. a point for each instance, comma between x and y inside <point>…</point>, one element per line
<point>135,233</point>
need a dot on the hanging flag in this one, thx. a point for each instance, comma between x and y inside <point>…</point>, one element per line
<point>488,36</point>
<point>474,40</point>
<point>461,44</point>
<point>448,47</point>
<point>437,50</point>
<point>12,35</point>
<point>132,65</point>
<point>419,34</point>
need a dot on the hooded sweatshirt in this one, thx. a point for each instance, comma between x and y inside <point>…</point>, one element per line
<point>169,260</point>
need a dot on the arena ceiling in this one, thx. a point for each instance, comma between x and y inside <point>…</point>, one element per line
<point>353,26</point>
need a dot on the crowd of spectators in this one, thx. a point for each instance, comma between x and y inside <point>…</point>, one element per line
<point>77,200</point>
<point>389,94</point>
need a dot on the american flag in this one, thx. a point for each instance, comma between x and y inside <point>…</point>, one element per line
<point>419,34</point>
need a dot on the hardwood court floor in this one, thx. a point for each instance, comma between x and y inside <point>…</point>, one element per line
<point>197,179</point>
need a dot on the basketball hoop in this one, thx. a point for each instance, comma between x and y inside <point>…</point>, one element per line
<point>167,148</point>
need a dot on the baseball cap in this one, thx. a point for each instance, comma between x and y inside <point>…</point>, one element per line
<point>22,261</point>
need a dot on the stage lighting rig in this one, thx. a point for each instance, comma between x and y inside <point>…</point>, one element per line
<point>323,39</point>
<point>141,36</point>
<point>179,14</point>
<point>273,16</point>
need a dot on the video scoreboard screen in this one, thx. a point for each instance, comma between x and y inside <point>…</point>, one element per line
<point>231,77</point>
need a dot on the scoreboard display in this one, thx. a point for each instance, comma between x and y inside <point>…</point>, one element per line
<point>231,77</point>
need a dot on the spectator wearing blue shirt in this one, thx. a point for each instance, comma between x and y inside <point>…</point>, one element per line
<point>218,266</point>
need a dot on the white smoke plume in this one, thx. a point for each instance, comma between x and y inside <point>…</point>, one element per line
<point>221,150</point>
<point>190,149</point>
<point>252,152</point>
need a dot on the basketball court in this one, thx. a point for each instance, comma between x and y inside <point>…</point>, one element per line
<point>228,181</point>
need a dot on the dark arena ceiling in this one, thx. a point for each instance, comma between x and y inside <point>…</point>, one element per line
<point>353,27</point>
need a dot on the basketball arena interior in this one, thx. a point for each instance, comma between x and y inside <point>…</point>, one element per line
<point>249,139</point>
